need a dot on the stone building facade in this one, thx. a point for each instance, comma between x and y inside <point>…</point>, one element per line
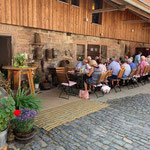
<point>23,39</point>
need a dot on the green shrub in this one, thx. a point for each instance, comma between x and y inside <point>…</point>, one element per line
<point>7,108</point>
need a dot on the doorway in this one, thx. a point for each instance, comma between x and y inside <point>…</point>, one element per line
<point>145,51</point>
<point>5,51</point>
<point>93,51</point>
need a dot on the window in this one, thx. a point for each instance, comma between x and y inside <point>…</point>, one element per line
<point>104,52</point>
<point>93,50</point>
<point>65,1</point>
<point>97,17</point>
<point>75,2</point>
<point>80,52</point>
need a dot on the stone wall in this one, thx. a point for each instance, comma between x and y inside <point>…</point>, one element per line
<point>23,38</point>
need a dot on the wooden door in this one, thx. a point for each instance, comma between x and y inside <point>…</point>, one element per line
<point>93,51</point>
<point>5,51</point>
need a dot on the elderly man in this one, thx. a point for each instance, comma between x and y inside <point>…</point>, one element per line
<point>132,65</point>
<point>115,66</point>
<point>82,64</point>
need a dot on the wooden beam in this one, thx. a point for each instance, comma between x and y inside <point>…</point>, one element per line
<point>117,2</point>
<point>146,27</point>
<point>139,11</point>
<point>140,16</point>
<point>134,21</point>
<point>109,2</point>
<point>121,8</point>
<point>132,8</point>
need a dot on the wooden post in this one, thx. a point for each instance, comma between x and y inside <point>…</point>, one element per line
<point>19,79</point>
<point>9,76</point>
<point>31,81</point>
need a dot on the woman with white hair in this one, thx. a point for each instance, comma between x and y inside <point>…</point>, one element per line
<point>143,64</point>
<point>132,65</point>
<point>93,74</point>
<point>89,59</point>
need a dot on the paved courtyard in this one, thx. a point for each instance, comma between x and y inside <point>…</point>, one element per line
<point>124,125</point>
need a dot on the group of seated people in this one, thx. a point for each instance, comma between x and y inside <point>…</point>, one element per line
<point>94,68</point>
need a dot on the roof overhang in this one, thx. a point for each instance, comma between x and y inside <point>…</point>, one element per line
<point>136,8</point>
<point>122,5</point>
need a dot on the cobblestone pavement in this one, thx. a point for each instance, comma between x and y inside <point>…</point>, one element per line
<point>124,125</point>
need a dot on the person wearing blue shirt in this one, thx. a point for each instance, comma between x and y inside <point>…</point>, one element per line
<point>132,65</point>
<point>83,65</point>
<point>79,65</point>
<point>115,66</point>
<point>137,58</point>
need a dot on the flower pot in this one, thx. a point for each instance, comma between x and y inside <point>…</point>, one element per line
<point>25,138</point>
<point>3,138</point>
<point>36,85</point>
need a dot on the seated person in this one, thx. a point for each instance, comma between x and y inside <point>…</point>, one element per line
<point>143,64</point>
<point>132,65</point>
<point>89,59</point>
<point>126,57</point>
<point>93,74</point>
<point>126,67</point>
<point>81,64</point>
<point>120,59</point>
<point>115,66</point>
<point>148,59</point>
<point>96,58</point>
<point>102,67</point>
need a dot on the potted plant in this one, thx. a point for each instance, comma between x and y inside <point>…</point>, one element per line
<point>36,81</point>
<point>24,131</point>
<point>27,105</point>
<point>20,59</point>
<point>24,100</point>
<point>7,107</point>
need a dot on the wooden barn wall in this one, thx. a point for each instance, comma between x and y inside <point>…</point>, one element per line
<point>58,16</point>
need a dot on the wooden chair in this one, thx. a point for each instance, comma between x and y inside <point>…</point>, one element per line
<point>65,85</point>
<point>60,70</point>
<point>109,74</point>
<point>70,69</point>
<point>144,77</point>
<point>130,78</point>
<point>119,77</point>
<point>97,86</point>
<point>137,76</point>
